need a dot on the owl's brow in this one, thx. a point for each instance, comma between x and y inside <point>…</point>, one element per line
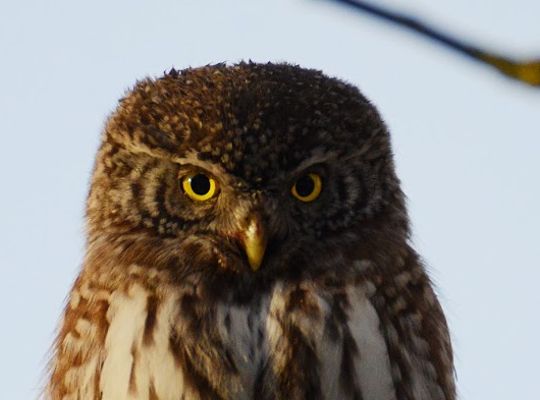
<point>318,157</point>
<point>191,158</point>
<point>321,158</point>
<point>360,153</point>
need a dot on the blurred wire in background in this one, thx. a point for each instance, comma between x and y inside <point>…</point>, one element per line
<point>525,71</point>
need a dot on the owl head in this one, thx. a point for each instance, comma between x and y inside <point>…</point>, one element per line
<point>244,174</point>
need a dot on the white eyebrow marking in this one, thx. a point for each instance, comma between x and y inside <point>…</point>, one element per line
<point>317,157</point>
<point>190,158</point>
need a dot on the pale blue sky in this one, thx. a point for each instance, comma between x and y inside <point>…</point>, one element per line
<point>467,144</point>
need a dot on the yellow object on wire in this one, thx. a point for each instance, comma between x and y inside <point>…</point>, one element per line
<point>524,71</point>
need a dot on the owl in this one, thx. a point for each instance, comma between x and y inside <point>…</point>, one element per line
<point>247,238</point>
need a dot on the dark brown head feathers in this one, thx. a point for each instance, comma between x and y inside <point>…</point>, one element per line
<point>253,119</point>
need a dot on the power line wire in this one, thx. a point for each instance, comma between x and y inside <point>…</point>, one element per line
<point>526,71</point>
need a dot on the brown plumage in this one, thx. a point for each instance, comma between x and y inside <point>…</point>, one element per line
<point>248,238</point>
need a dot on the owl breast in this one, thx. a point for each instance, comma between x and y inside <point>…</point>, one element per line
<point>157,347</point>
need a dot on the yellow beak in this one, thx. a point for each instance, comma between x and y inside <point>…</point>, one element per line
<point>254,242</point>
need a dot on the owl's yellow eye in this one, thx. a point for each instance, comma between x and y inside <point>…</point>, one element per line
<point>307,188</point>
<point>199,187</point>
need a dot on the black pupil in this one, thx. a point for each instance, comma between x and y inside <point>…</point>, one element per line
<point>200,184</point>
<point>305,186</point>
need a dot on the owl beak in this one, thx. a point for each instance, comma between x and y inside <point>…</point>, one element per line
<point>254,241</point>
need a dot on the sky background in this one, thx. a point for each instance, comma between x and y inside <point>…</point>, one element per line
<point>467,146</point>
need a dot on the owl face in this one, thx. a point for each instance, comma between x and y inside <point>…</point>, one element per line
<point>249,172</point>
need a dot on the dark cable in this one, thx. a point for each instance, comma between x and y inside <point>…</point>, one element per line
<point>526,71</point>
